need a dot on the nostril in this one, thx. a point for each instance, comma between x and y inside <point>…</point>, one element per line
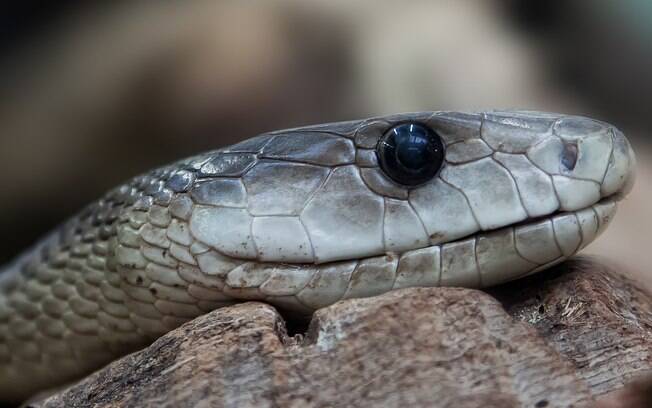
<point>569,156</point>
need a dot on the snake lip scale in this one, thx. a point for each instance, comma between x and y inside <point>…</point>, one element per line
<point>305,217</point>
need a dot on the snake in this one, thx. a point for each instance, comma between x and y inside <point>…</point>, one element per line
<point>306,217</point>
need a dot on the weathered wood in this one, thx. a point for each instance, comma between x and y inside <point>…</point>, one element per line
<point>576,330</point>
<point>599,320</point>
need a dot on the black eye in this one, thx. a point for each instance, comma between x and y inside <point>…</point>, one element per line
<point>410,153</point>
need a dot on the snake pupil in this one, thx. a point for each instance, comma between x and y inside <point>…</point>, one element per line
<point>410,153</point>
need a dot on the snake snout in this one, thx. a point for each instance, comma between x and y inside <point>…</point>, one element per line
<point>588,160</point>
<point>620,176</point>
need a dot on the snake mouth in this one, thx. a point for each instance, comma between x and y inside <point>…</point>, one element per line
<point>612,199</point>
<point>480,260</point>
<point>496,256</point>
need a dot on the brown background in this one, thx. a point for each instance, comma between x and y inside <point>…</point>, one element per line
<point>92,95</point>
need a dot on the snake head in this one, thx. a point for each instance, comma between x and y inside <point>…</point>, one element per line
<point>304,217</point>
<point>320,194</point>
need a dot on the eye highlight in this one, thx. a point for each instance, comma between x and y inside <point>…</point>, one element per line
<point>410,153</point>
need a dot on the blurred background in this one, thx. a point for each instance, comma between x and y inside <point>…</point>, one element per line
<point>94,93</point>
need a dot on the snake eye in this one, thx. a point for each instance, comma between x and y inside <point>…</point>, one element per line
<point>410,153</point>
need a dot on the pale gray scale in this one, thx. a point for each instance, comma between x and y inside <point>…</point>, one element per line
<point>182,253</point>
<point>141,309</point>
<point>163,197</point>
<point>250,275</point>
<point>212,263</point>
<point>588,222</point>
<point>454,127</point>
<point>372,276</point>
<point>295,182</point>
<point>181,207</point>
<point>116,324</point>
<point>195,163</point>
<point>159,255</point>
<point>195,276</point>
<point>528,114</point>
<point>181,181</point>
<point>366,158</point>
<point>576,128</point>
<point>605,212</point>
<point>344,208</point>
<point>36,290</point>
<point>287,280</point>
<point>132,276</point>
<point>328,285</point>
<point>378,182</point>
<point>203,292</point>
<point>282,239</point>
<point>458,265</point>
<point>512,134</point>
<point>620,175</point>
<point>593,154</point>
<point>536,242</point>
<point>221,192</point>
<point>419,267</point>
<point>535,186</point>
<point>575,194</point>
<point>143,203</point>
<point>163,275</point>
<point>467,150</point>
<point>227,165</point>
<point>138,293</point>
<point>497,257</point>
<point>547,155</point>
<point>311,147</point>
<point>444,211</point>
<point>172,294</point>
<point>179,232</point>
<point>368,134</point>
<point>403,229</point>
<point>485,181</point>
<point>567,233</point>
<point>590,163</point>
<point>197,248</point>
<point>226,229</point>
<point>418,117</point>
<point>130,257</point>
<point>115,309</point>
<point>253,145</point>
<point>155,236</point>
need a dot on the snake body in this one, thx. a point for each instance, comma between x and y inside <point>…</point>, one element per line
<point>303,218</point>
